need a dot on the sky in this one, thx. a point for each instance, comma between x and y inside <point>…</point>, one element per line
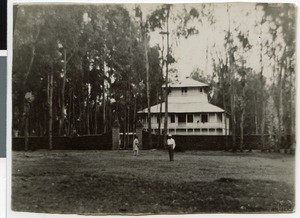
<point>198,50</point>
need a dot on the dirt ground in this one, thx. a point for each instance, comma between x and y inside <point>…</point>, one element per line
<point>116,182</point>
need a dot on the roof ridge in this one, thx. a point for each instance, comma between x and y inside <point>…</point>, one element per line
<point>187,82</point>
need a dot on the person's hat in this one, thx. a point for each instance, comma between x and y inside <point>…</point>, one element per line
<point>170,135</point>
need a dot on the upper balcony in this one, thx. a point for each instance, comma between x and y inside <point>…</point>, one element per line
<point>214,125</point>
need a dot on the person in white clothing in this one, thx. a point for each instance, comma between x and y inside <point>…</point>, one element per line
<point>135,146</point>
<point>171,146</point>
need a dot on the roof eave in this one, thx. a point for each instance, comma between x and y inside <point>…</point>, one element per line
<point>182,86</point>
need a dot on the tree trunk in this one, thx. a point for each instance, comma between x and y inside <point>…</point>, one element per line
<point>273,94</point>
<point>262,99</point>
<point>232,88</point>
<point>81,111</point>
<point>134,116</point>
<point>109,120</point>
<point>243,107</point>
<point>104,103</point>
<point>127,128</point>
<point>125,122</point>
<point>166,83</point>
<point>96,117</point>
<point>232,105</point>
<point>159,119</point>
<point>161,91</point>
<point>50,102</point>
<point>92,129</point>
<point>292,106</point>
<point>62,99</point>
<point>233,118</point>
<point>88,107</point>
<point>26,127</point>
<point>74,128</point>
<point>26,104</point>
<point>225,107</point>
<point>88,116</point>
<point>279,108</point>
<point>148,90</point>
<point>256,113</point>
<point>226,131</point>
<point>284,110</point>
<point>69,112</point>
<point>30,63</point>
<point>262,120</point>
<point>242,119</point>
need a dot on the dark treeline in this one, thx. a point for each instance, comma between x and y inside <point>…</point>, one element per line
<point>84,64</point>
<point>78,68</point>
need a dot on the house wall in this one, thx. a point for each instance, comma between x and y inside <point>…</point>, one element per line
<point>193,94</point>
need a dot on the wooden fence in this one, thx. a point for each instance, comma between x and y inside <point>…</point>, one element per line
<point>91,142</point>
<point>183,142</point>
<point>215,142</point>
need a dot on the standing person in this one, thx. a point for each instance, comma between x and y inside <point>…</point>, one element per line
<point>171,146</point>
<point>135,146</point>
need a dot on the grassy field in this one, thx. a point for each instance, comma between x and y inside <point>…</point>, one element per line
<point>114,182</point>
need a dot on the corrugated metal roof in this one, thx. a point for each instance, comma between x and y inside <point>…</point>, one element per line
<point>198,107</point>
<point>187,82</point>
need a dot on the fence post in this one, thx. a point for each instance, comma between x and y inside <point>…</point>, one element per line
<point>116,135</point>
<point>139,133</point>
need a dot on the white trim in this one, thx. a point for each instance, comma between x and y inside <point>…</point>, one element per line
<point>150,1</point>
<point>3,53</point>
<point>2,186</point>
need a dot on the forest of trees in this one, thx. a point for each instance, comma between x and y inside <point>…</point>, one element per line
<point>78,68</point>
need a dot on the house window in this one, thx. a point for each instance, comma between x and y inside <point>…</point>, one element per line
<point>181,118</point>
<point>190,118</point>
<point>204,131</point>
<point>204,118</point>
<point>183,90</point>
<point>219,117</point>
<point>212,131</point>
<point>181,131</point>
<point>219,131</point>
<point>172,117</point>
<point>153,118</point>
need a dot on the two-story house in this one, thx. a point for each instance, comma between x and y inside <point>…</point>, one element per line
<point>189,112</point>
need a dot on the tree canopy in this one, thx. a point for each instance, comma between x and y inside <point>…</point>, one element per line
<point>92,59</point>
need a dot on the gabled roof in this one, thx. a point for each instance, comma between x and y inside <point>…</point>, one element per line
<point>199,107</point>
<point>187,82</point>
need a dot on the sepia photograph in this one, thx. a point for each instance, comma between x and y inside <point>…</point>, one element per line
<point>153,109</point>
